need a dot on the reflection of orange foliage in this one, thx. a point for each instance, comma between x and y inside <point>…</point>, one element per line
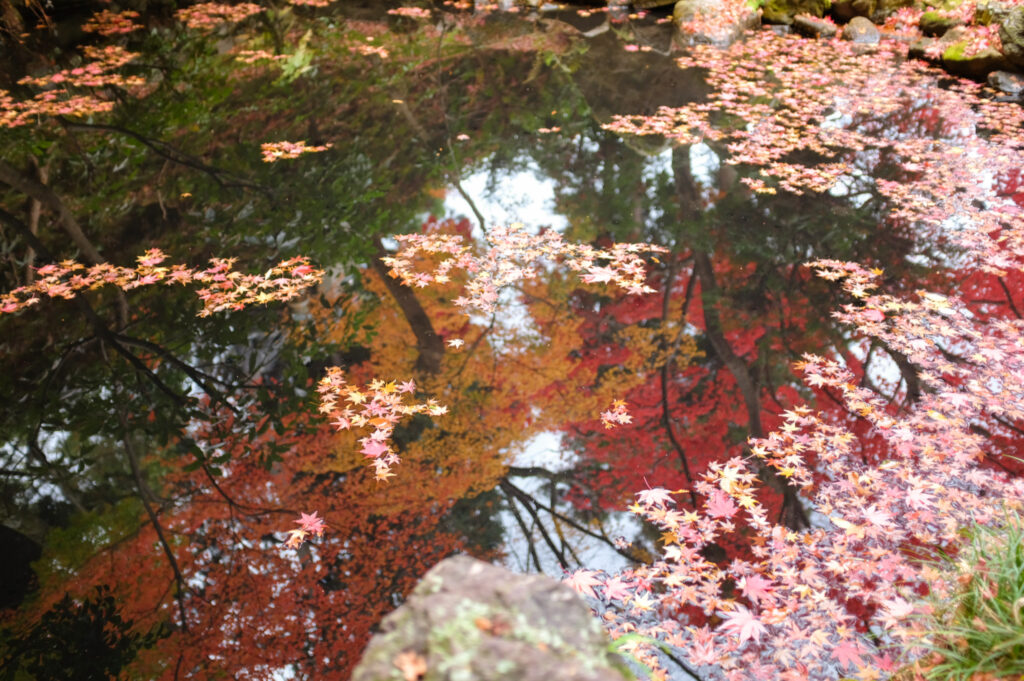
<point>519,381</point>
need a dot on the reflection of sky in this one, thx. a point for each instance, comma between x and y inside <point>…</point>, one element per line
<point>545,450</point>
<point>519,196</point>
<point>528,197</point>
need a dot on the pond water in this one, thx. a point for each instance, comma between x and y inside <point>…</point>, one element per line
<point>154,461</point>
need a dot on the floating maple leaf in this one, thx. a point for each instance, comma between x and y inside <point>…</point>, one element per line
<point>743,622</point>
<point>412,665</point>
<point>311,523</point>
<point>583,582</point>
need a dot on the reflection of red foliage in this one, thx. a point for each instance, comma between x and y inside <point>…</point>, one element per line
<point>252,607</point>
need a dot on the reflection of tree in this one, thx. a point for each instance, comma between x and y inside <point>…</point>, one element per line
<point>736,279</point>
<point>163,456</point>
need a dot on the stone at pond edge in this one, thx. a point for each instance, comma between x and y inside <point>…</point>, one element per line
<point>976,66</point>
<point>711,22</point>
<point>471,621</point>
<point>949,53</point>
<point>813,27</point>
<point>861,30</point>
<point>783,11</point>
<point>844,10</point>
<point>1011,33</point>
<point>934,24</point>
<point>1011,84</point>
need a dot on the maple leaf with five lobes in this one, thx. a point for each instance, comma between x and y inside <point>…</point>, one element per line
<point>720,505</point>
<point>658,496</point>
<point>583,582</point>
<point>755,587</point>
<point>847,653</point>
<point>743,622</point>
<point>311,523</point>
<point>615,589</point>
<point>373,448</point>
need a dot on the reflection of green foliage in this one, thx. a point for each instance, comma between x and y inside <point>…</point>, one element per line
<point>88,641</point>
<point>68,548</point>
<point>298,63</point>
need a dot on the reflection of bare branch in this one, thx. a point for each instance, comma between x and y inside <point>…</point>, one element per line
<point>166,151</point>
<point>666,417</point>
<point>119,342</point>
<point>552,500</point>
<point>1009,296</point>
<point>35,210</point>
<point>537,471</point>
<point>46,196</point>
<point>147,496</point>
<point>525,499</point>
<point>793,514</point>
<point>526,534</point>
<point>202,379</point>
<point>37,190</point>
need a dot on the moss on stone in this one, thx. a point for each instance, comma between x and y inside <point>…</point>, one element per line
<point>783,11</point>
<point>955,52</point>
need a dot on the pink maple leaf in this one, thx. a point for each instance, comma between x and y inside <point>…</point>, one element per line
<point>373,448</point>
<point>847,652</point>
<point>873,315</point>
<point>720,505</point>
<point>658,496</point>
<point>755,587</point>
<point>615,589</point>
<point>743,622</point>
<point>583,582</point>
<point>311,523</point>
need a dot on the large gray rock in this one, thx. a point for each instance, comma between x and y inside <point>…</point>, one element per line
<point>861,31</point>
<point>1008,83</point>
<point>1011,33</point>
<point>813,27</point>
<point>471,621</point>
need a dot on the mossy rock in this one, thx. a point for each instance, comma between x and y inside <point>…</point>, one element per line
<point>471,621</point>
<point>1011,33</point>
<point>976,66</point>
<point>935,24</point>
<point>783,11</point>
